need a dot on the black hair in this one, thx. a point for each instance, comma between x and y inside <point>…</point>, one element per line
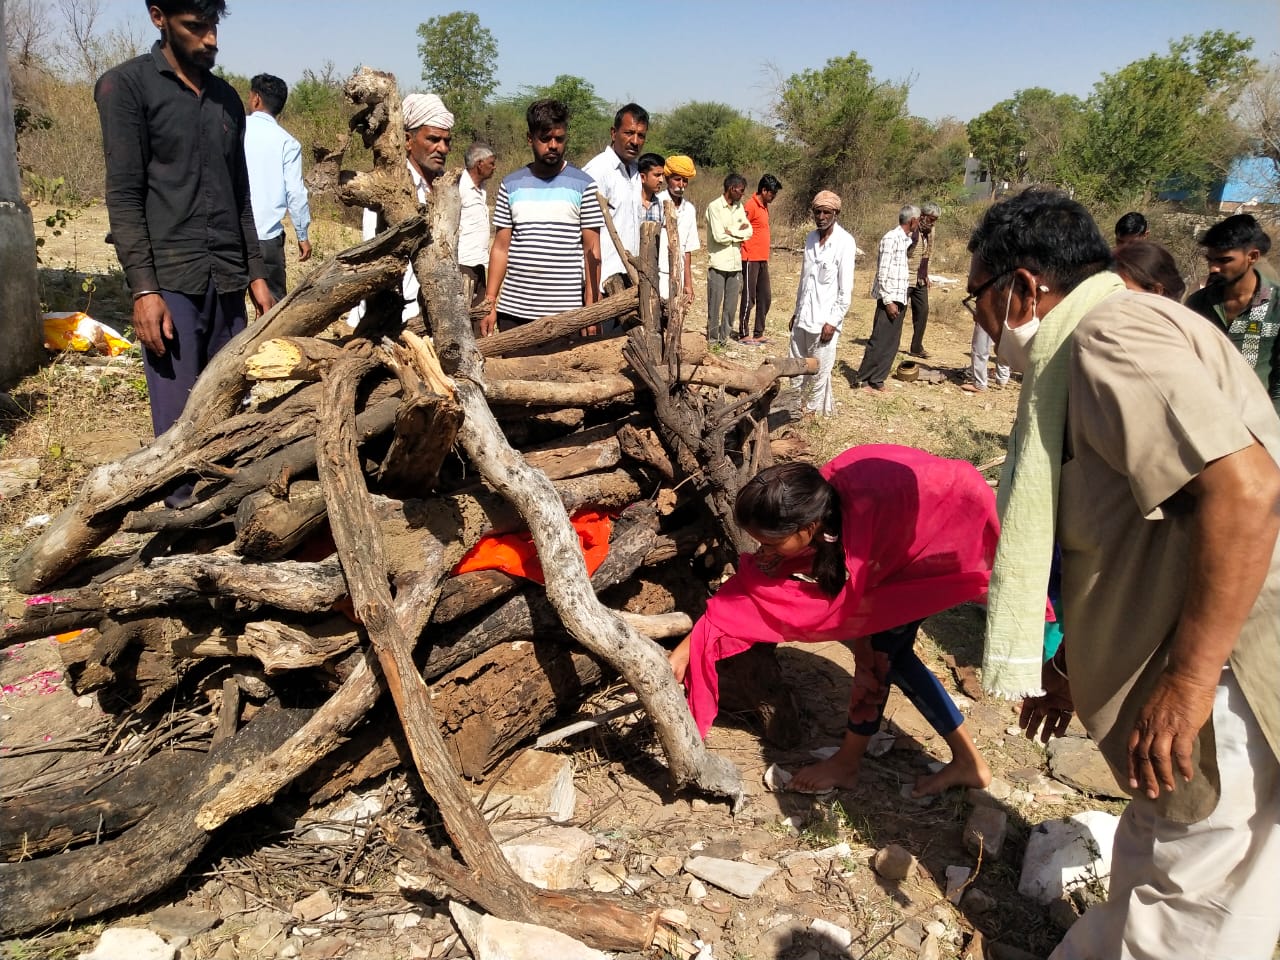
<point>780,500</point>
<point>1240,232</point>
<point>273,91</point>
<point>546,114</point>
<point>637,113</point>
<point>1150,265</point>
<point>205,9</point>
<point>648,161</point>
<point>1132,224</point>
<point>769,182</point>
<point>1045,232</point>
<point>734,180</point>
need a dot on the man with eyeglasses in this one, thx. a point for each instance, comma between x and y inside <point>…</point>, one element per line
<point>918,267</point>
<point>1148,451</point>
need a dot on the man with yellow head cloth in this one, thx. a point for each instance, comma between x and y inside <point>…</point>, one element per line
<point>679,170</point>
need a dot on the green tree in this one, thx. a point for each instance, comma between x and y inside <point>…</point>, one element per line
<point>1164,122</point>
<point>459,57</point>
<point>850,129</point>
<point>692,129</point>
<point>1026,137</point>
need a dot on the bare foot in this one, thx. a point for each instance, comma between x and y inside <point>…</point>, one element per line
<point>837,773</point>
<point>961,772</point>
<point>679,660</point>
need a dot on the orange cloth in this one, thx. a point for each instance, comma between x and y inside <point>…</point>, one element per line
<point>756,247</point>
<point>514,553</point>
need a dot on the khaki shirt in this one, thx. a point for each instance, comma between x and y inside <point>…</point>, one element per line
<point>1155,395</point>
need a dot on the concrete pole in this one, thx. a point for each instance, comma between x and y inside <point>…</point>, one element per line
<point>21,328</point>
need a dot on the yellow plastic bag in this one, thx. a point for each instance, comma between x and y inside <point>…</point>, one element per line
<point>82,333</point>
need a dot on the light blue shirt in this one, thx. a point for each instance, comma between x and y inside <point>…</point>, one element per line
<point>274,160</point>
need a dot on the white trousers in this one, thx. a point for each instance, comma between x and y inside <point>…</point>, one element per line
<point>1207,890</point>
<point>815,389</point>
<point>980,347</point>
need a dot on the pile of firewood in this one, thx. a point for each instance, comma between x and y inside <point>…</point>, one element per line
<point>312,567</point>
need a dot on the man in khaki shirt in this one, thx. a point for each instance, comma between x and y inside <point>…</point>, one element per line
<point>1168,480</point>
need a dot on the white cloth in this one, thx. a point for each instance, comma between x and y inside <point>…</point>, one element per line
<point>620,184</point>
<point>893,276</point>
<point>687,231</point>
<point>473,225</point>
<point>369,224</point>
<point>425,110</point>
<point>274,161</point>
<point>980,347</point>
<point>1205,889</point>
<point>815,388</point>
<point>826,280</point>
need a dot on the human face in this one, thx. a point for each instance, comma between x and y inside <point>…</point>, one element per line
<point>427,147</point>
<point>484,169</point>
<point>548,150</point>
<point>824,219</point>
<point>766,197</point>
<point>979,301</point>
<point>628,138</point>
<point>676,185</point>
<point>191,39</point>
<point>651,182</point>
<point>1229,267</point>
<point>773,550</point>
<point>926,223</point>
<point>734,193</point>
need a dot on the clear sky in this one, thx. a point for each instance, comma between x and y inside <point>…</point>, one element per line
<point>960,58</point>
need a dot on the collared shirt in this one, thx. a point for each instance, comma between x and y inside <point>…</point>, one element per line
<point>274,161</point>
<point>757,247</point>
<point>918,256</point>
<point>619,181</point>
<point>687,231</point>
<point>826,280</point>
<point>727,227</point>
<point>892,274</point>
<point>176,184</point>
<point>1255,332</point>
<point>473,226</point>
<point>370,224</point>
<point>546,219</point>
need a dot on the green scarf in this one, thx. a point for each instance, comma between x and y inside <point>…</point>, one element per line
<point>1028,501</point>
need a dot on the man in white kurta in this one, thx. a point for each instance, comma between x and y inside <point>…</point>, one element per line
<point>822,300</point>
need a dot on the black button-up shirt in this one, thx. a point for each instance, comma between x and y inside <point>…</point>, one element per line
<point>177,187</point>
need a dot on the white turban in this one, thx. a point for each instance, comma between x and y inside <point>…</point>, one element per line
<point>426,110</point>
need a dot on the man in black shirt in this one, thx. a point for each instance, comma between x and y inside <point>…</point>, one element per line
<point>178,200</point>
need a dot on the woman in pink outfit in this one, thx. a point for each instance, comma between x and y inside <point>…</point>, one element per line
<point>861,551</point>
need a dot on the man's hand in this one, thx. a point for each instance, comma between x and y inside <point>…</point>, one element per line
<point>261,296</point>
<point>891,309</point>
<point>828,331</point>
<point>688,296</point>
<point>489,323</point>
<point>1166,731</point>
<point>304,251</point>
<point>1050,714</point>
<point>152,323</point>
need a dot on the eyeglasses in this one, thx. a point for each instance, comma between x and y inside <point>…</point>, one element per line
<point>970,302</point>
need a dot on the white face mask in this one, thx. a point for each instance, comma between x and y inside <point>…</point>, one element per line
<point>1015,342</point>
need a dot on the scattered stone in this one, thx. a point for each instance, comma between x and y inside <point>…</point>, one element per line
<point>833,934</point>
<point>17,476</point>
<point>823,753</point>
<point>182,921</point>
<point>1022,797</point>
<point>606,878</point>
<point>1064,854</point>
<point>985,831</point>
<point>551,858</point>
<point>356,809</point>
<point>723,849</point>
<point>1078,763</point>
<point>538,784</point>
<point>996,792</point>
<point>261,937</point>
<point>292,948</point>
<point>930,949</point>
<point>909,934</point>
<point>740,879</point>
<point>1062,912</point>
<point>326,948</point>
<point>490,938</point>
<point>226,951</point>
<point>130,943</point>
<point>935,928</point>
<point>977,901</point>
<point>698,805</point>
<point>957,877</point>
<point>776,780</point>
<point>905,793</point>
<point>406,921</point>
<point>697,890</point>
<point>881,743</point>
<point>666,866</point>
<point>839,851</point>
<point>894,862</point>
<point>313,907</point>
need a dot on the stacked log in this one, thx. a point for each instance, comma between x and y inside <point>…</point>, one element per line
<point>312,566</point>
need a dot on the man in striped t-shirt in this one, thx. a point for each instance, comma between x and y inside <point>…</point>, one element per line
<point>546,251</point>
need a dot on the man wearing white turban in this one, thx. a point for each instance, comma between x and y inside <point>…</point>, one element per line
<point>428,132</point>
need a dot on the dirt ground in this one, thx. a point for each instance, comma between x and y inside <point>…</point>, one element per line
<point>74,416</point>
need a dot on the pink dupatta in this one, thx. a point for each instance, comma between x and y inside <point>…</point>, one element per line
<point>919,534</point>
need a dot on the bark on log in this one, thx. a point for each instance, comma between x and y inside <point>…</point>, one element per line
<point>545,329</point>
<point>294,358</point>
<point>269,526</point>
<point>593,356</point>
<point>87,881</point>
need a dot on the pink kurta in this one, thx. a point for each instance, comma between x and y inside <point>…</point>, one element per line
<point>919,534</point>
